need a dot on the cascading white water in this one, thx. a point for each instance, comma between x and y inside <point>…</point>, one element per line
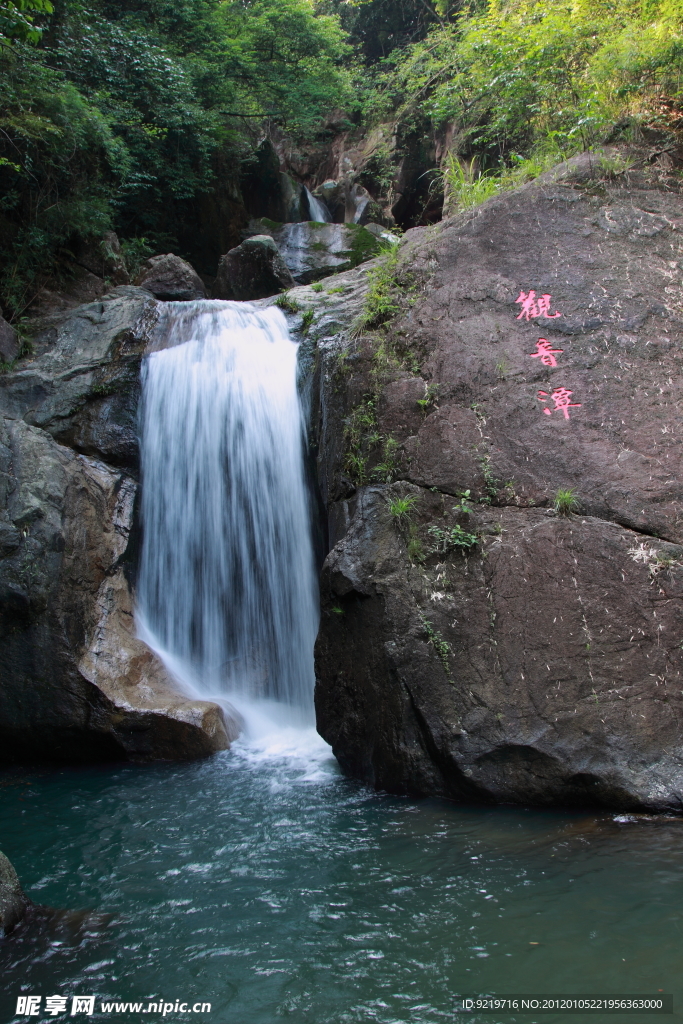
<point>226,590</point>
<point>317,210</point>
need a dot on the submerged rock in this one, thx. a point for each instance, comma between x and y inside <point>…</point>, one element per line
<point>13,903</point>
<point>253,270</point>
<point>490,649</point>
<point>171,278</point>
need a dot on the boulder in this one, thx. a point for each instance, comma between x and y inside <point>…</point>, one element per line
<point>293,199</point>
<point>348,202</point>
<point>80,287</point>
<point>359,204</point>
<point>9,342</point>
<point>488,648</point>
<point>381,232</point>
<point>84,386</point>
<point>103,258</point>
<point>333,194</point>
<point>253,270</point>
<point>171,279</point>
<point>13,903</point>
<point>313,250</point>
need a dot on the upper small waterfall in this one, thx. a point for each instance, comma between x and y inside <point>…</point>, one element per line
<point>227,590</point>
<point>317,209</point>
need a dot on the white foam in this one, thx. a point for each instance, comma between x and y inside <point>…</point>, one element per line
<point>278,735</point>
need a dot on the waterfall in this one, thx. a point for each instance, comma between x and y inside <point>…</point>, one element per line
<point>226,590</point>
<point>317,209</point>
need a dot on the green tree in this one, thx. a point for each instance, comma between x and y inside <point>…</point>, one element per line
<point>17,20</point>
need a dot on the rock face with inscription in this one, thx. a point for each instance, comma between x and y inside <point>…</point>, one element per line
<point>475,642</point>
<point>75,682</point>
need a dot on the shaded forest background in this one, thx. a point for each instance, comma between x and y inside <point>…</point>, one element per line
<point>145,117</point>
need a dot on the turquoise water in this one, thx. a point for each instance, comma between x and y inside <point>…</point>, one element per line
<point>263,882</point>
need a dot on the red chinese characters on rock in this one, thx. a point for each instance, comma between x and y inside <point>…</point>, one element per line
<point>533,307</point>
<point>560,397</point>
<point>545,353</point>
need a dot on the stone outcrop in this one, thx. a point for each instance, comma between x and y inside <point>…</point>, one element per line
<point>268,191</point>
<point>171,279</point>
<point>310,251</point>
<point>349,202</point>
<point>486,647</point>
<point>9,342</point>
<point>103,258</point>
<point>13,903</point>
<point>253,270</point>
<point>76,683</point>
<point>77,288</point>
<point>314,250</point>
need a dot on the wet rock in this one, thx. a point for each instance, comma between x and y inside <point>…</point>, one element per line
<point>253,270</point>
<point>171,279</point>
<point>314,250</point>
<point>538,661</point>
<point>333,194</point>
<point>13,903</point>
<point>84,387</point>
<point>142,708</point>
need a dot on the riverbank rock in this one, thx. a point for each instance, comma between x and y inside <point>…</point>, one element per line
<point>171,279</point>
<point>13,903</point>
<point>253,270</point>
<point>475,643</point>
<point>76,683</point>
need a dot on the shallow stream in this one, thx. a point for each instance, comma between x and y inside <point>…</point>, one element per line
<point>263,882</point>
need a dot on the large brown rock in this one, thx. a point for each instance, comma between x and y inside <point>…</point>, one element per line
<point>253,270</point>
<point>171,279</point>
<point>544,663</point>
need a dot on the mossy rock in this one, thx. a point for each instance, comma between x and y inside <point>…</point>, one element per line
<point>312,250</point>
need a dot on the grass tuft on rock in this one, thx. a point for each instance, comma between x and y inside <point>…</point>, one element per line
<point>566,502</point>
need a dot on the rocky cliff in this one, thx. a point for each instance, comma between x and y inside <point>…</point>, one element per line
<point>494,412</point>
<point>500,461</point>
<point>75,682</point>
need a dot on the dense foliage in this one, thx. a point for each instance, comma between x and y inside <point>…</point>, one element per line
<point>522,76</point>
<point>127,108</point>
<point>123,114</point>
